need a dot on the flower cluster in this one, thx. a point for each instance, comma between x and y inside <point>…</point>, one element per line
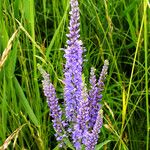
<point>82,108</point>
<point>92,137</point>
<point>55,110</point>
<point>73,66</point>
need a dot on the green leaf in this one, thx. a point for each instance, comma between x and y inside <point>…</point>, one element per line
<point>25,103</point>
<point>69,144</point>
<point>57,147</point>
<point>99,146</point>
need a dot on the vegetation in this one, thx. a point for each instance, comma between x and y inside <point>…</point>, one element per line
<point>33,32</point>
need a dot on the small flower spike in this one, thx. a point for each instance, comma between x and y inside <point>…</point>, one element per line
<point>81,125</point>
<point>92,137</point>
<point>95,94</point>
<point>52,100</point>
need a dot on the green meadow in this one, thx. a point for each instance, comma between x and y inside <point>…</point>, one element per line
<point>34,32</point>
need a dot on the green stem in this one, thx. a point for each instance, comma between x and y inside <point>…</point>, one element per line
<point>146,71</point>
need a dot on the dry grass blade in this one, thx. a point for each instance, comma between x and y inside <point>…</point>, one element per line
<point>14,135</point>
<point>110,110</point>
<point>7,49</point>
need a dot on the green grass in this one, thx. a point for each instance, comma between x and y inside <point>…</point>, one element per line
<point>114,30</point>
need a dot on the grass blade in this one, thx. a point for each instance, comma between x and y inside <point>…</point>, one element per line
<point>25,103</point>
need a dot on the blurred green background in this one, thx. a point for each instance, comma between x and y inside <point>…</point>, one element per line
<point>117,30</point>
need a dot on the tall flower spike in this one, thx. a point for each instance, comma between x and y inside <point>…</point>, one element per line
<point>73,66</point>
<point>55,111</point>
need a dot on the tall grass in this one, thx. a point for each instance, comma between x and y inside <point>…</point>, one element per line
<point>116,30</point>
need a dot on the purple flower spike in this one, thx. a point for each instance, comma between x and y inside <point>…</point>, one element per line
<point>102,77</point>
<point>55,111</point>
<point>82,120</point>
<point>95,94</point>
<point>93,99</point>
<point>73,66</point>
<point>92,138</point>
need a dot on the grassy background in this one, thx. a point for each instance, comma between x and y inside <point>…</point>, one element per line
<point>115,30</point>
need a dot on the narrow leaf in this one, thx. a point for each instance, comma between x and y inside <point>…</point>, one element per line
<point>24,102</point>
<point>99,146</point>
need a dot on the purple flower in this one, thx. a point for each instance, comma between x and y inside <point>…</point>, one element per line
<point>55,110</point>
<point>102,77</point>
<point>93,99</point>
<point>73,66</point>
<point>91,138</point>
<point>82,108</point>
<point>95,94</point>
<point>81,125</point>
